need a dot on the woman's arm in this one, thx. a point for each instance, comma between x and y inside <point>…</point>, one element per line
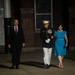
<point>66,38</point>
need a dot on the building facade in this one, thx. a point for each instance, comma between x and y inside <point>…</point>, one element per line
<point>61,11</point>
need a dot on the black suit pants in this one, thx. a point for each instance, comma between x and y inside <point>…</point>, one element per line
<point>16,52</point>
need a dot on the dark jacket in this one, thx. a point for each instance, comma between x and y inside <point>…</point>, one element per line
<point>45,35</point>
<point>18,38</point>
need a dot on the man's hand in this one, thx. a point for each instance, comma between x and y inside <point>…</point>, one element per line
<point>52,37</point>
<point>23,44</point>
<point>9,46</point>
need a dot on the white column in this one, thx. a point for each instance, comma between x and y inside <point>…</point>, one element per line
<point>7,9</point>
<point>7,22</point>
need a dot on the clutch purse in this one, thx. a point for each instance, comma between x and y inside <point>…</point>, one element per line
<point>64,47</point>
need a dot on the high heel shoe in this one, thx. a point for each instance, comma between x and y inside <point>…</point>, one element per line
<point>59,65</point>
<point>62,66</point>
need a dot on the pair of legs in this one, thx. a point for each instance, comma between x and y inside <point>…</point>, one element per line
<point>60,58</point>
<point>47,55</point>
<point>16,52</point>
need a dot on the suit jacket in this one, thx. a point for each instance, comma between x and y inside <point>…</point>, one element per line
<point>16,38</point>
<point>44,36</point>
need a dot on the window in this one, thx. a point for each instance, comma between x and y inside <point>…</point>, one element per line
<point>43,11</point>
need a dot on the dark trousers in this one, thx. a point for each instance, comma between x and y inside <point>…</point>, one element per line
<point>16,52</point>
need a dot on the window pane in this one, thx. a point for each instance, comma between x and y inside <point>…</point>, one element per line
<point>43,6</point>
<point>40,18</point>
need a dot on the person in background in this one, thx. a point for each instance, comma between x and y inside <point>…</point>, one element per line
<point>47,36</point>
<point>16,41</point>
<point>61,43</point>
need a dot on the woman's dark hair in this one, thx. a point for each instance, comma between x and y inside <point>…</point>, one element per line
<point>15,19</point>
<point>61,25</point>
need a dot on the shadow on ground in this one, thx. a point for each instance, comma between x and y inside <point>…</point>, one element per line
<point>36,64</point>
<point>4,66</point>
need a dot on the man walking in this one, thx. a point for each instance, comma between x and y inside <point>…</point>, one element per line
<point>16,41</point>
<point>47,36</point>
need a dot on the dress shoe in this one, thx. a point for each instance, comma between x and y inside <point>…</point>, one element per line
<point>12,67</point>
<point>47,66</point>
<point>17,67</point>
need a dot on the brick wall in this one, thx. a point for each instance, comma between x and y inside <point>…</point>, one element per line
<point>27,15</point>
<point>72,28</point>
<point>27,25</point>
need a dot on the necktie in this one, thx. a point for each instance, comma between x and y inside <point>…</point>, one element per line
<point>16,29</point>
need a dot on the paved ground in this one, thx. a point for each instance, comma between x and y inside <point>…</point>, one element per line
<point>32,64</point>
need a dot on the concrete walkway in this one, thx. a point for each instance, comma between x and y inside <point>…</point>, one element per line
<point>32,64</point>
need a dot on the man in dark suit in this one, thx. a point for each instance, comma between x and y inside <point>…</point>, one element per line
<point>16,41</point>
<point>47,36</point>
